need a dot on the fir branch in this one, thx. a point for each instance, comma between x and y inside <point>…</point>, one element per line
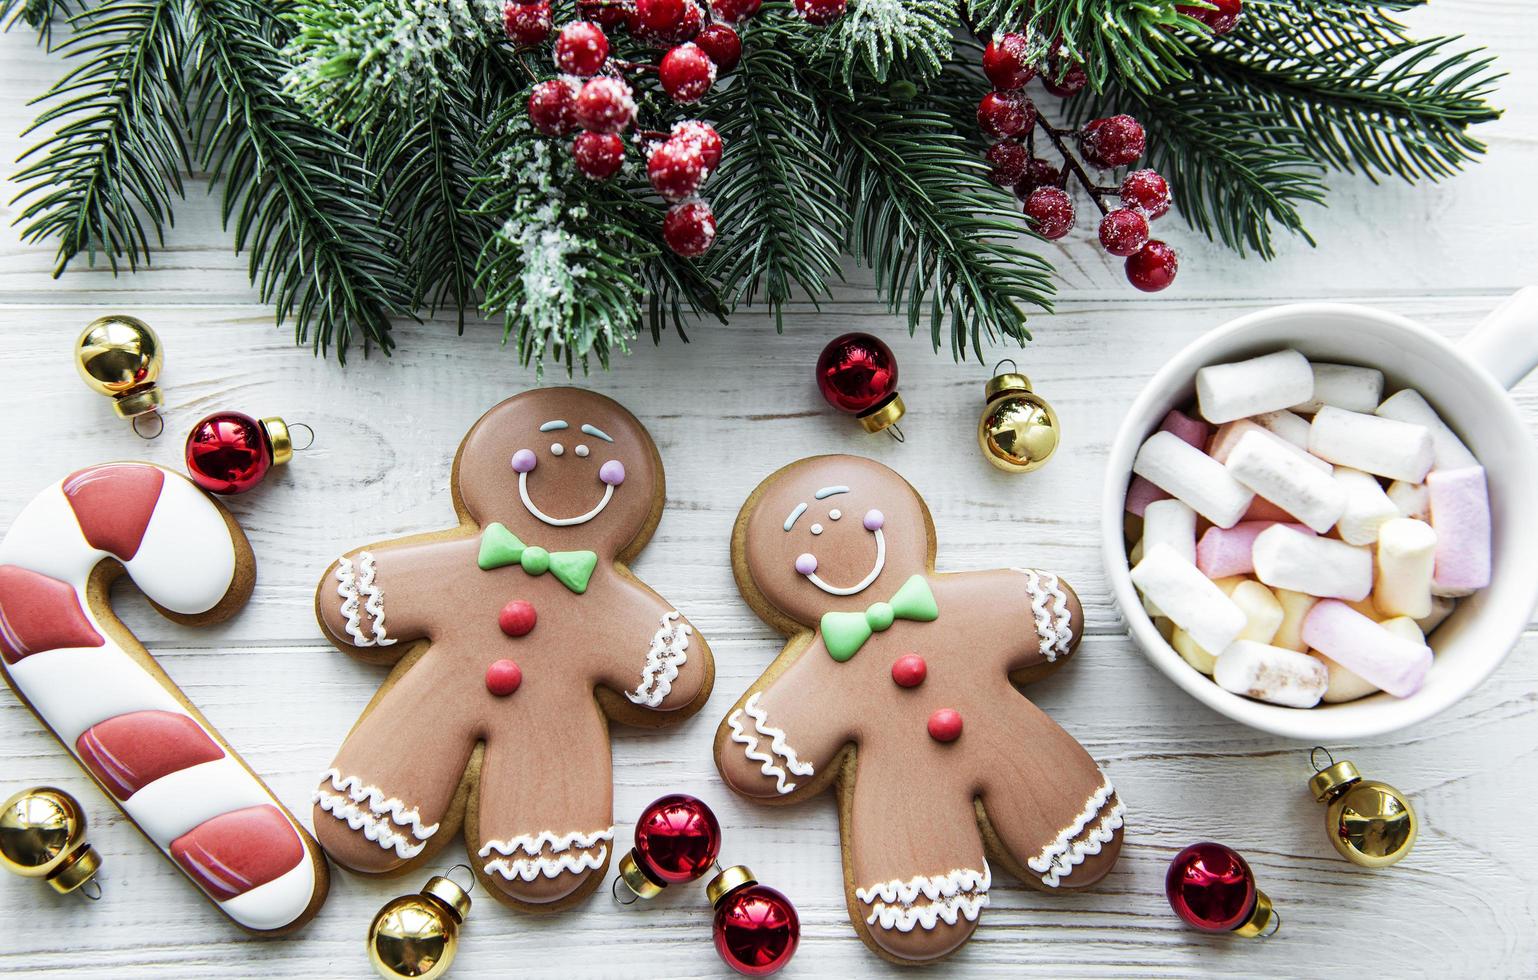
<point>298,196</point>
<point>880,39</point>
<point>38,15</point>
<point>924,217</point>
<point>114,157</point>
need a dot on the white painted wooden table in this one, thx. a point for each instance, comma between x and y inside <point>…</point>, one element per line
<point>726,410</point>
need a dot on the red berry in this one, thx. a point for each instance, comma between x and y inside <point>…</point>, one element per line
<point>722,44</point>
<point>1153,267</point>
<point>605,105</point>
<point>1008,160</point>
<point>694,21</point>
<point>517,618</point>
<point>657,17</point>
<point>1063,82</point>
<point>689,228</point>
<point>551,107</point>
<point>526,24</point>
<point>1038,173</point>
<point>820,12</point>
<point>677,168</point>
<point>1112,142</point>
<point>606,13</point>
<point>598,155</point>
<point>1051,211</point>
<point>1221,20</point>
<point>1003,114</point>
<point>1123,231</point>
<point>581,48</point>
<point>686,73</point>
<point>1005,61</point>
<point>1147,191</point>
<point>735,10</point>
<point>703,136</point>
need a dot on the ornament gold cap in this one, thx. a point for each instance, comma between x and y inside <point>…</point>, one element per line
<point>447,891</point>
<point>883,416</point>
<point>727,882</point>
<point>635,879</point>
<point>137,403</point>
<point>120,356</point>
<point>78,869</point>
<point>1003,384</point>
<point>1332,779</point>
<point>282,441</point>
<point>1264,920</point>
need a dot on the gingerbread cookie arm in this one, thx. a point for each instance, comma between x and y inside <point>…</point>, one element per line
<point>372,599</point>
<point>654,656</point>
<point>89,680</point>
<point>1035,616</point>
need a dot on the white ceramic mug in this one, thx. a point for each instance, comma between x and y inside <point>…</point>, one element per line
<point>1466,382</point>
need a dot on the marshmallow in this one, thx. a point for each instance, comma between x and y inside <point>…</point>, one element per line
<point>1295,606</point>
<point>1344,685</point>
<point>1356,389</point>
<point>1288,425</point>
<point>1192,476</point>
<point>1447,451</point>
<point>1188,598</point>
<point>1225,392</point>
<point>1380,656</point>
<point>1262,509</point>
<point>1397,450</point>
<point>1271,467</point>
<point>1460,512</point>
<point>1263,613</point>
<point>1191,652</point>
<point>1268,673</point>
<point>1411,499</point>
<point>1173,523</point>
<point>1193,432</point>
<point>1228,583</point>
<point>1324,567</point>
<point>1441,608</point>
<point>1141,493</point>
<point>1222,552</point>
<point>1406,552</point>
<point>1367,506</point>
<point>1229,433</point>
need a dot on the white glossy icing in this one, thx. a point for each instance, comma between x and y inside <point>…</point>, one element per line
<point>523,492</point>
<point>664,657</point>
<point>795,515</point>
<point>582,450</point>
<point>778,746</point>
<point>271,905</point>
<point>865,582</point>
<point>355,584</point>
<point>186,560</point>
<point>524,858</point>
<point>1058,859</point>
<point>177,802</point>
<point>74,688</point>
<point>375,828</point>
<point>955,895</point>
<point>46,538</point>
<point>556,449</point>
<point>1054,622</point>
<point>384,819</point>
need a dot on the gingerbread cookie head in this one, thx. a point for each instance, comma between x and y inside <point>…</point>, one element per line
<point>831,533</point>
<point>562,465</point>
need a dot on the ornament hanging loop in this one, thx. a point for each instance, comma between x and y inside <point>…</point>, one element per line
<point>160,425</point>
<point>620,897</point>
<point>896,432</point>
<point>91,890</point>
<point>1313,758</point>
<point>298,448</point>
<point>1013,367</point>
<point>469,871</point>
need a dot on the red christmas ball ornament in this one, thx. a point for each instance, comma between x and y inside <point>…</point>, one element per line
<point>231,452</point>
<point>1211,887</point>
<point>756,927</point>
<point>857,374</point>
<point>677,840</point>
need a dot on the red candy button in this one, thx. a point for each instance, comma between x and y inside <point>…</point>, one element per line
<point>945,725</point>
<point>517,618</point>
<point>909,670</point>
<point>503,678</point>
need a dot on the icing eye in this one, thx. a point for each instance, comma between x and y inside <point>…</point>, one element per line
<point>835,514</point>
<point>874,519</point>
<point>612,472</point>
<point>806,564</point>
<point>581,450</point>
<point>816,528</point>
<point>524,461</point>
<point>556,449</point>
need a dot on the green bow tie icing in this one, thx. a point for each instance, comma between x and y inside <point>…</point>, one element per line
<point>501,547</point>
<point>843,633</point>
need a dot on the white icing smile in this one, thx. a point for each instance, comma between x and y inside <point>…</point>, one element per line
<point>611,474</point>
<point>529,505</point>
<point>859,586</point>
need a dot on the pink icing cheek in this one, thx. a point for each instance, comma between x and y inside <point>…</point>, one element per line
<point>612,472</point>
<point>524,460</point>
<point>806,564</point>
<point>874,520</point>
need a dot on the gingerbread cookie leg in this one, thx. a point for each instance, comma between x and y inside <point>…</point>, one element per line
<point>90,681</point>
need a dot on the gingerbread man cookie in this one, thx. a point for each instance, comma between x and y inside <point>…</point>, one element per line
<point>516,637</point>
<point>896,685</point>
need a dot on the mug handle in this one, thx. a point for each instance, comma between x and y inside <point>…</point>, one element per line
<point>1506,342</point>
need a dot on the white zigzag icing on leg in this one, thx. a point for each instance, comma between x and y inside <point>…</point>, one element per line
<point>355,583</point>
<point>528,869</point>
<point>666,655</point>
<point>581,857</point>
<point>533,844</point>
<point>956,895</point>
<point>396,810</point>
<point>1054,625</point>
<point>1058,859</point>
<point>374,828</point>
<point>777,745</point>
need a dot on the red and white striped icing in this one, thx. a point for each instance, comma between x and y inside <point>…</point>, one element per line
<point>167,770</point>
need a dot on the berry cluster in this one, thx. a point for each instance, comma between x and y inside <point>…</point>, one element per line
<point>1010,120</point>
<point>594,98</point>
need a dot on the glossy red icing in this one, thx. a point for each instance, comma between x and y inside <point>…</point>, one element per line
<point>39,613</point>
<point>235,852</point>
<point>131,751</point>
<point>113,504</point>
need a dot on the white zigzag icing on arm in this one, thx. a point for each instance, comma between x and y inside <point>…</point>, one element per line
<point>355,583</point>
<point>533,844</point>
<point>777,745</point>
<point>958,894</point>
<point>1058,859</point>
<point>374,828</point>
<point>396,810</point>
<point>666,655</point>
<point>1054,626</point>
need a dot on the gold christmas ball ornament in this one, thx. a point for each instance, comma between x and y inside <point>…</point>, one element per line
<point>1018,431</point>
<point>418,935</point>
<point>1370,823</point>
<point>119,356</point>
<point>42,835</point>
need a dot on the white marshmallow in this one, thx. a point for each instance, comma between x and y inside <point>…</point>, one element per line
<point>1295,606</point>
<point>1188,598</point>
<point>1269,383</point>
<point>1170,522</point>
<point>1397,450</point>
<point>1411,499</point>
<point>1447,450</point>
<point>1262,612</point>
<point>1380,656</point>
<point>1441,607</point>
<point>1324,567</point>
<point>1356,389</point>
<point>1192,476</point>
<point>1406,554</point>
<point>1367,506</point>
<point>1288,425</point>
<point>1268,673</point>
<point>1269,466</point>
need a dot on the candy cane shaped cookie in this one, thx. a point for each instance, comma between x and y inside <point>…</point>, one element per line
<point>94,685</point>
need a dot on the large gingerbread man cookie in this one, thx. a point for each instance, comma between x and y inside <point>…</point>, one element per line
<point>516,637</point>
<point>896,684</point>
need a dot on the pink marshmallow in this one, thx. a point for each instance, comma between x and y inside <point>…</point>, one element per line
<point>1383,659</point>
<point>1229,434</point>
<point>1460,513</point>
<point>1141,493</point>
<point>1223,552</point>
<point>1262,509</point>
<point>1192,431</point>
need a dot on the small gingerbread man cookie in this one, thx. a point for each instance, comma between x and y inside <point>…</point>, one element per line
<point>896,685</point>
<point>516,636</point>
